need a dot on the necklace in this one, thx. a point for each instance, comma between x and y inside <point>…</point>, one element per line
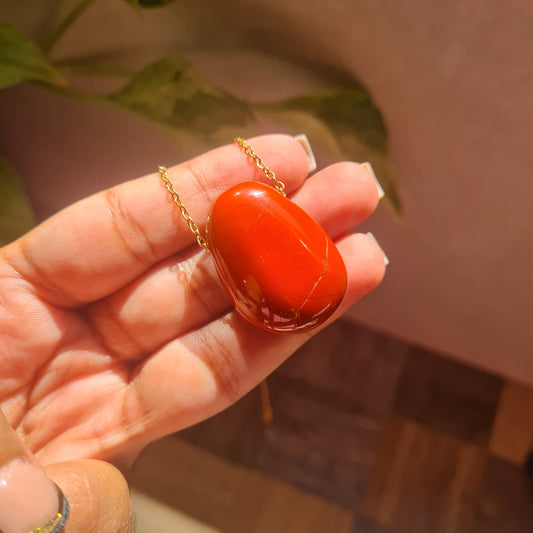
<point>280,269</point>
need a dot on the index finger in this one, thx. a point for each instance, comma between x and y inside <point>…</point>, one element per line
<point>96,246</point>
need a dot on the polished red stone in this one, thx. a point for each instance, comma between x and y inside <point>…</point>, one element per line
<point>277,264</point>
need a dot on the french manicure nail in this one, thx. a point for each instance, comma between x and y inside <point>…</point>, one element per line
<point>306,145</point>
<point>29,500</point>
<point>385,258</point>
<point>368,166</point>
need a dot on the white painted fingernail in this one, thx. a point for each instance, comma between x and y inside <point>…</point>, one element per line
<point>368,166</point>
<point>385,258</point>
<point>304,143</point>
<point>29,500</point>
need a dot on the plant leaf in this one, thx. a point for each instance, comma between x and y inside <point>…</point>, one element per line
<point>344,123</point>
<point>170,91</point>
<point>148,3</point>
<point>16,216</point>
<point>21,60</point>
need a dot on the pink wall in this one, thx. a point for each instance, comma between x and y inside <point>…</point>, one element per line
<point>454,82</point>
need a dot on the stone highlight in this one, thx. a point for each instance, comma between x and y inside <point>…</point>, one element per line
<point>279,267</point>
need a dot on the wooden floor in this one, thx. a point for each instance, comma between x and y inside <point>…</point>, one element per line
<point>369,436</point>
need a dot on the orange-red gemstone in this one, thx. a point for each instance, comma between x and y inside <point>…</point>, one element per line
<point>279,267</point>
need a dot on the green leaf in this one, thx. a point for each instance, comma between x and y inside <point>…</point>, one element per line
<point>148,3</point>
<point>16,216</point>
<point>344,123</point>
<point>171,92</point>
<point>22,60</point>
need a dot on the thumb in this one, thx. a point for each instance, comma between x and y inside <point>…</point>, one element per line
<point>98,494</point>
<point>29,500</point>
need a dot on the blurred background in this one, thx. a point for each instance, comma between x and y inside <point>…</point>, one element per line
<point>413,414</point>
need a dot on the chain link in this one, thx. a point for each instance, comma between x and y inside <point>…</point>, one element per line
<point>202,241</point>
<point>279,185</point>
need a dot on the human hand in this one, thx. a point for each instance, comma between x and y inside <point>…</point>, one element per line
<point>115,330</point>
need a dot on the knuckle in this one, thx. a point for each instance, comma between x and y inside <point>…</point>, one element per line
<point>224,364</point>
<point>198,178</point>
<point>129,232</point>
<point>202,283</point>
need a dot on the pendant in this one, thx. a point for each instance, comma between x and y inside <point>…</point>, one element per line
<point>281,270</point>
<point>278,266</point>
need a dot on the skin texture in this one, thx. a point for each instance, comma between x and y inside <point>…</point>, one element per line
<point>115,329</point>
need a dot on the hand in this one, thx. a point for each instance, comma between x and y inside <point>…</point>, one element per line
<point>114,327</point>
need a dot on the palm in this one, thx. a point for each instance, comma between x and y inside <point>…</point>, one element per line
<point>115,329</point>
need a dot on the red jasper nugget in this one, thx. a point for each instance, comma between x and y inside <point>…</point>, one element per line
<point>279,267</point>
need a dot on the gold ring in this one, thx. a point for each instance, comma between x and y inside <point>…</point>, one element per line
<point>57,523</point>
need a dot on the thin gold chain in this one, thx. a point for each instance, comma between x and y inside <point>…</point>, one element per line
<point>279,185</point>
<point>202,241</point>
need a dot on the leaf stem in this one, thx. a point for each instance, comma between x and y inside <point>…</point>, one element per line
<point>65,24</point>
<point>75,94</point>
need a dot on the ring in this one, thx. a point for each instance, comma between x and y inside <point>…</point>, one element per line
<point>57,523</point>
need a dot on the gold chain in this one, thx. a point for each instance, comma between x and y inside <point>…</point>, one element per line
<point>279,185</point>
<point>202,241</point>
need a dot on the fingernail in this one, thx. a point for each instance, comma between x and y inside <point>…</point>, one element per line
<point>368,166</point>
<point>385,258</point>
<point>29,500</point>
<point>304,143</point>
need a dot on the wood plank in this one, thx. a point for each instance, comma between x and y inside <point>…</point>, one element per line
<point>502,503</point>
<point>269,506</point>
<point>429,481</point>
<point>330,402</point>
<point>234,434</point>
<point>448,396</point>
<point>512,434</point>
<point>318,442</point>
<point>420,479</point>
<point>357,365</point>
<point>364,525</point>
<point>228,497</point>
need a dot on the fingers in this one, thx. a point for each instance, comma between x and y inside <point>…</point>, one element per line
<point>180,294</point>
<point>94,495</point>
<point>184,292</point>
<point>96,246</point>
<point>339,197</point>
<point>28,498</point>
<point>98,495</point>
<point>217,364</point>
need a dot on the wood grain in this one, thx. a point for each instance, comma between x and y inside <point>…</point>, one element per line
<point>447,396</point>
<point>330,401</point>
<point>512,434</point>
<point>318,442</point>
<point>352,363</point>
<point>369,436</point>
<point>428,481</point>
<point>231,498</point>
<point>421,479</point>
